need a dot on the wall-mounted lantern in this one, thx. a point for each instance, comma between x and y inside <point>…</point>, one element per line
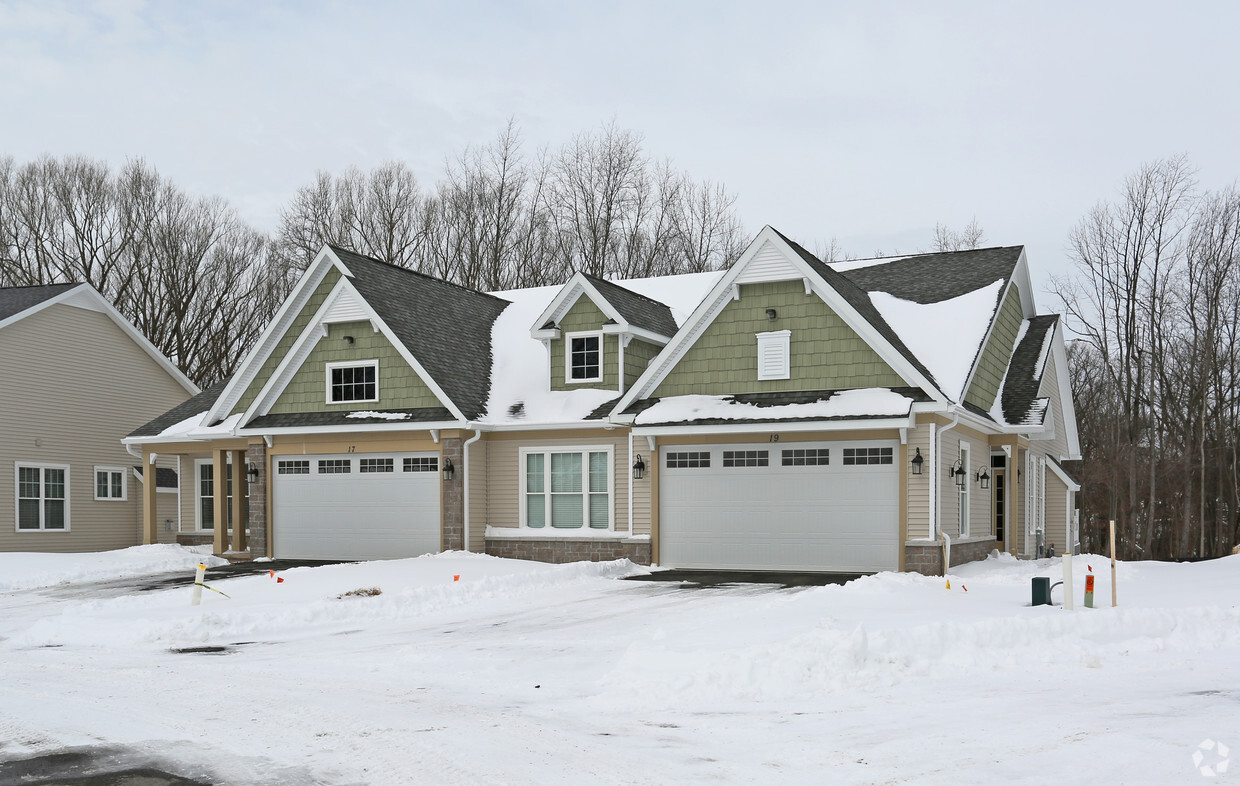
<point>639,468</point>
<point>348,339</point>
<point>917,461</point>
<point>982,477</point>
<point>251,472</point>
<point>956,472</point>
<point>448,470</point>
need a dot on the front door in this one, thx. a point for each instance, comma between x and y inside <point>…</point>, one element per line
<point>999,499</point>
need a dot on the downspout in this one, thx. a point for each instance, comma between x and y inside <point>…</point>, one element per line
<point>936,502</point>
<point>465,460</point>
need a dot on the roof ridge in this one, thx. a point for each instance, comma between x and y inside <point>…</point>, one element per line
<point>43,286</point>
<point>413,272</point>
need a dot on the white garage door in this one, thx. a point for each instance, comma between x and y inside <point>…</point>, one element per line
<point>356,506</point>
<point>820,506</point>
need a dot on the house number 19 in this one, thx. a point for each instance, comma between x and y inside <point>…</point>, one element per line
<point>774,438</point>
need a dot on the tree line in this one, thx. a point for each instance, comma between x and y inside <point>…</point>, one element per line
<point>1154,298</point>
<point>201,283</point>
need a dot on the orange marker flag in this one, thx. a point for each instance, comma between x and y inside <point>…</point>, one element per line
<point>279,580</point>
<point>456,577</point>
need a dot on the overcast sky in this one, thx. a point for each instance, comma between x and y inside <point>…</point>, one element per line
<point>869,122</point>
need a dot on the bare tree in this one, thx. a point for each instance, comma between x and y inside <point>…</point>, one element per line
<point>965,239</point>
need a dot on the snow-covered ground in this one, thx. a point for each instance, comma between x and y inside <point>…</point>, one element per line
<point>521,672</point>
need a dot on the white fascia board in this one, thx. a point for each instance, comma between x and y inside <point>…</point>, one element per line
<point>1059,356</point>
<point>723,292</point>
<point>636,332</point>
<point>97,302</point>
<point>253,362</point>
<point>990,329</point>
<point>1020,275</point>
<point>313,331</point>
<point>748,427</point>
<point>351,429</point>
<point>567,296</point>
<point>1067,481</point>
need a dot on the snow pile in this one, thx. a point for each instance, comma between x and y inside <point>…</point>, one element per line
<point>29,570</point>
<point>865,402</point>
<point>945,336</point>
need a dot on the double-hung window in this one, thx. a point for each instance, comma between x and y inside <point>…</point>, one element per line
<point>566,488</point>
<point>109,483</point>
<point>42,497</point>
<point>964,490</point>
<point>585,357</point>
<point>356,381</point>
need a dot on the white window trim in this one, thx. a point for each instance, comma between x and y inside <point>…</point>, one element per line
<point>568,356</point>
<point>124,483</point>
<point>586,450</point>
<point>17,465</point>
<point>327,374</point>
<point>966,458</point>
<point>781,340</point>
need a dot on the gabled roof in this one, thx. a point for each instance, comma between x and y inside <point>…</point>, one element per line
<point>14,300</point>
<point>932,278</point>
<point>197,405</point>
<point>445,326</point>
<point>639,310</point>
<point>1019,396</point>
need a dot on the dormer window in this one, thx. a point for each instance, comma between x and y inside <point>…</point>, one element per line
<point>585,357</point>
<point>353,382</point>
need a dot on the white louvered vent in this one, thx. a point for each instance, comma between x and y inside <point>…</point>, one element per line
<point>769,264</point>
<point>347,308</point>
<point>773,360</point>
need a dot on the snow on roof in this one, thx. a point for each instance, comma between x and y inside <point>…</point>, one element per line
<point>865,402</point>
<point>945,335</point>
<point>520,371</point>
<point>845,265</point>
<point>183,427</point>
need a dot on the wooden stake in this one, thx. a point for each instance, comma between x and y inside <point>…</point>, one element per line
<point>1114,600</point>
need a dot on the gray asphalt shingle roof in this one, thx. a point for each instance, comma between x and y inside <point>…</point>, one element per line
<point>446,327</point>
<point>1024,375</point>
<point>932,278</point>
<point>299,419</point>
<point>191,406</point>
<point>14,300</point>
<point>639,310</point>
<point>776,400</point>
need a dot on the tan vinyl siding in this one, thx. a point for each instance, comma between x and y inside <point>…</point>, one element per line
<point>73,385</point>
<point>585,316</point>
<point>286,341</point>
<point>825,353</point>
<point>400,387</point>
<point>993,363</point>
<point>637,355</point>
<point>980,523</point>
<point>189,490</point>
<point>167,514</point>
<point>503,466</point>
<point>478,495</point>
<point>1056,512</point>
<point>918,500</point>
<point>1057,445</point>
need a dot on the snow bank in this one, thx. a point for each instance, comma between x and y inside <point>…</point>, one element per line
<point>29,570</point>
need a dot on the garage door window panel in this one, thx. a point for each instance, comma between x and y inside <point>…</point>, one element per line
<point>421,464</point>
<point>297,467</point>
<point>567,489</point>
<point>865,456</point>
<point>809,457</point>
<point>746,458</point>
<point>335,466</point>
<point>372,465</point>
<point>688,460</point>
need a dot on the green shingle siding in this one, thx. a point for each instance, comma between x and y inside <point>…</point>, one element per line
<point>637,356</point>
<point>585,316</point>
<point>286,341</point>
<point>400,387</point>
<point>997,353</point>
<point>826,354</point>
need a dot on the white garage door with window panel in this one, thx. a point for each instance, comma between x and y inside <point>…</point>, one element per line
<point>820,506</point>
<point>355,506</point>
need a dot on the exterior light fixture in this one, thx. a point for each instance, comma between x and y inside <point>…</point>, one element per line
<point>348,339</point>
<point>917,462</point>
<point>956,472</point>
<point>639,468</point>
<point>770,314</point>
<point>251,472</point>
<point>448,470</point>
<point>982,477</point>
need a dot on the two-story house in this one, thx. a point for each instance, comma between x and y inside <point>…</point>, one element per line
<point>784,414</point>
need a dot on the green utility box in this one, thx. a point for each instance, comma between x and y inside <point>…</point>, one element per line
<point>1041,591</point>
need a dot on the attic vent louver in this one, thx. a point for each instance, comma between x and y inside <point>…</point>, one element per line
<point>517,410</point>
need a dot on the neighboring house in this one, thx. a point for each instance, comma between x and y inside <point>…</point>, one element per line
<point>785,414</point>
<point>75,377</point>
